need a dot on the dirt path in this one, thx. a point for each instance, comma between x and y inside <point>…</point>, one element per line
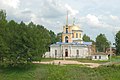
<point>63,62</point>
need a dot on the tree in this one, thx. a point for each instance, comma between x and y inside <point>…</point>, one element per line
<point>102,43</point>
<point>53,37</point>
<point>21,43</point>
<point>3,50</point>
<point>86,38</point>
<point>3,20</point>
<point>59,37</point>
<point>3,45</point>
<point>117,43</point>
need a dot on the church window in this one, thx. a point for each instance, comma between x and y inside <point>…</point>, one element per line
<point>66,30</point>
<point>76,35</point>
<point>72,35</point>
<point>55,52</point>
<point>80,35</point>
<point>66,39</point>
<point>77,52</point>
<point>66,52</point>
<point>95,57</point>
<point>99,57</point>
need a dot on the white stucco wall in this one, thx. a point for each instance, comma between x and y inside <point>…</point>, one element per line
<point>46,55</point>
<point>83,52</point>
<point>72,51</point>
<point>103,57</point>
<point>52,51</point>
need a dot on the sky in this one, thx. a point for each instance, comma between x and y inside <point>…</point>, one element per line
<point>93,16</point>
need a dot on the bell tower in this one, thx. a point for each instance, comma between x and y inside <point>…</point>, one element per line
<point>67,33</point>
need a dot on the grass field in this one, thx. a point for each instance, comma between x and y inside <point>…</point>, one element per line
<point>66,72</point>
<point>55,72</point>
<point>115,59</point>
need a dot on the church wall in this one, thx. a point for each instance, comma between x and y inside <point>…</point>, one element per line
<point>83,52</point>
<point>64,29</point>
<point>69,37</point>
<point>69,29</point>
<point>79,34</point>
<point>52,51</point>
<point>72,51</point>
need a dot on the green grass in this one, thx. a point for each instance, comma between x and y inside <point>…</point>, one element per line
<point>66,72</point>
<point>55,72</point>
<point>115,59</point>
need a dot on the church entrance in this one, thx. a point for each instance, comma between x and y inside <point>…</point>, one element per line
<point>66,52</point>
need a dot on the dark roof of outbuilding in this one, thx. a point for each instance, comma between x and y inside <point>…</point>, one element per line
<point>100,53</point>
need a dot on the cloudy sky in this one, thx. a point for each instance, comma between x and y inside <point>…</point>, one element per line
<point>94,16</point>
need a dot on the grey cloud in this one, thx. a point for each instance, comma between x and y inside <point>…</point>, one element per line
<point>48,12</point>
<point>52,9</point>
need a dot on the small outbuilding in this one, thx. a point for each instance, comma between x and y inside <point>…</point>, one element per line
<point>100,56</point>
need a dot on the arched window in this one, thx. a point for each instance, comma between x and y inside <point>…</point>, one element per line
<point>55,52</point>
<point>66,39</point>
<point>99,57</point>
<point>72,35</point>
<point>80,35</point>
<point>76,35</point>
<point>77,55</point>
<point>77,52</point>
<point>66,30</point>
<point>66,52</point>
<point>95,57</point>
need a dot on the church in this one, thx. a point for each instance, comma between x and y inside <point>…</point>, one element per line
<point>71,46</point>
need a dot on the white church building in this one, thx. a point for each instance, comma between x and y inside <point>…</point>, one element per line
<point>72,45</point>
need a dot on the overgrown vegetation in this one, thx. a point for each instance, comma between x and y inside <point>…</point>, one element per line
<point>117,43</point>
<point>102,43</point>
<point>115,59</point>
<point>21,43</point>
<point>54,72</point>
<point>86,38</point>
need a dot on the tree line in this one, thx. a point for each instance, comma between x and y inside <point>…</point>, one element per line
<point>21,43</point>
<point>102,42</point>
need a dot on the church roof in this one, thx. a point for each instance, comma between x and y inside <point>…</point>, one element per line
<point>73,43</point>
<point>78,30</point>
<point>100,53</point>
<point>87,43</point>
